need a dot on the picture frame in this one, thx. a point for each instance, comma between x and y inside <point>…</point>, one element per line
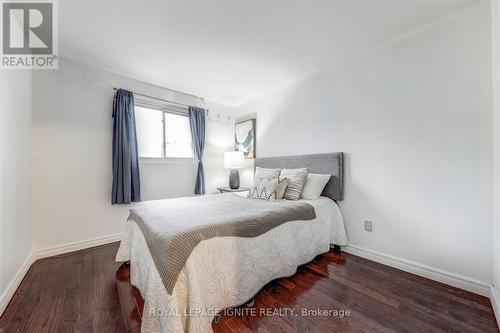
<point>244,137</point>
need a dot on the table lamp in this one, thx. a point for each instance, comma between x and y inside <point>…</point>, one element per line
<point>234,160</point>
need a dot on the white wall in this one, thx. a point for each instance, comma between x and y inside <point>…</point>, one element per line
<point>72,135</point>
<point>15,154</point>
<point>220,139</point>
<point>414,117</point>
<point>495,28</point>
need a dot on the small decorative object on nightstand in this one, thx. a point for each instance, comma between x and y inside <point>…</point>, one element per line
<point>234,160</point>
<point>227,189</point>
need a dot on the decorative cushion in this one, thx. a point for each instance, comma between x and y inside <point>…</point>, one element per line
<point>266,173</point>
<point>297,179</point>
<point>271,189</point>
<point>314,186</point>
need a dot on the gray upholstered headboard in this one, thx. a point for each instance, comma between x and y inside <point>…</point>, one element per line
<point>332,163</point>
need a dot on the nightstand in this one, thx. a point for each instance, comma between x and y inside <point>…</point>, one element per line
<point>227,189</point>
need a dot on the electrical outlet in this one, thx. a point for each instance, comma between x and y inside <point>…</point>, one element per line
<point>368,226</point>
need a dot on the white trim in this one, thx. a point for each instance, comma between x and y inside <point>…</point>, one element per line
<point>14,284</point>
<point>429,272</point>
<point>495,302</point>
<point>75,246</point>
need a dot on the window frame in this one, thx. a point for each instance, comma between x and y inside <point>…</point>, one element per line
<point>164,108</point>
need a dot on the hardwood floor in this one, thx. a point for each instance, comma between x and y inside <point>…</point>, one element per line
<point>81,292</point>
<point>74,292</point>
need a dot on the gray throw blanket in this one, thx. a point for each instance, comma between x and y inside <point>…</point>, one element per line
<point>173,227</point>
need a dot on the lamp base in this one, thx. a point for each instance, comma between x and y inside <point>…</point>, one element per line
<point>234,179</point>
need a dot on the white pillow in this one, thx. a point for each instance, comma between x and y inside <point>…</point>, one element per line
<point>314,186</point>
<point>271,189</point>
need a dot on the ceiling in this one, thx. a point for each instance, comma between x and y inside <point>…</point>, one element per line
<point>232,52</point>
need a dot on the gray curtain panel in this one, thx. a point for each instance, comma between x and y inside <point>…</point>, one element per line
<point>126,180</point>
<point>197,122</point>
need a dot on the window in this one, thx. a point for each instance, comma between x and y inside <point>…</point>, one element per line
<point>162,134</point>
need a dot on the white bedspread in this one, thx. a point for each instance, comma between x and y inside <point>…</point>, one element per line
<point>226,271</point>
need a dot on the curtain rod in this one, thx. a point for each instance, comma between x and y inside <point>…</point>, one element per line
<point>160,99</point>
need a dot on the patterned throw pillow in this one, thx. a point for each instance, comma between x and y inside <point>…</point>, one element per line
<point>266,173</point>
<point>271,189</point>
<point>297,179</point>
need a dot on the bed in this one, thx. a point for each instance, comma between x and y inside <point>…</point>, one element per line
<point>224,272</point>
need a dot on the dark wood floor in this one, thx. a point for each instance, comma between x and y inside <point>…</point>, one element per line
<point>79,292</point>
<point>75,292</point>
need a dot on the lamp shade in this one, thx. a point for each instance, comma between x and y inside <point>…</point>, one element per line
<point>234,160</point>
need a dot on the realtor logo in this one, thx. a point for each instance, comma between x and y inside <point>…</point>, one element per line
<point>29,38</point>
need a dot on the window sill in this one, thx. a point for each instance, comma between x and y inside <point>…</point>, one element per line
<point>167,160</point>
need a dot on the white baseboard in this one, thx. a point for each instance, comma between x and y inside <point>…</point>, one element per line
<point>14,284</point>
<point>429,272</point>
<point>495,302</point>
<point>74,246</point>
